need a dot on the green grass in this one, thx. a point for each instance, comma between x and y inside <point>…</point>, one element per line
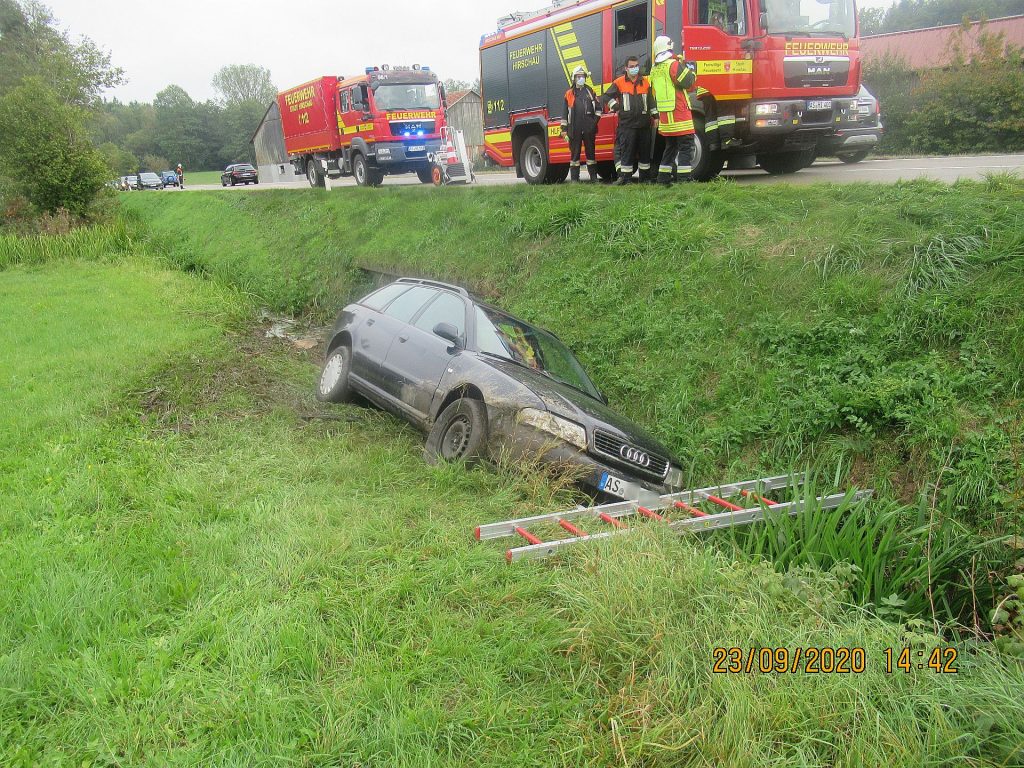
<point>751,328</point>
<point>202,177</point>
<point>202,566</point>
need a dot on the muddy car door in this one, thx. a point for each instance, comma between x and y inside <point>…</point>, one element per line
<point>419,358</point>
<point>378,332</point>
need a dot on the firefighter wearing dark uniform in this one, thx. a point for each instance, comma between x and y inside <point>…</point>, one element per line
<point>583,112</point>
<point>631,98</point>
<point>671,79</point>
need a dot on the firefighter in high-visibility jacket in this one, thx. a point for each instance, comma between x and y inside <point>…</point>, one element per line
<point>582,113</point>
<point>671,80</point>
<point>631,99</point>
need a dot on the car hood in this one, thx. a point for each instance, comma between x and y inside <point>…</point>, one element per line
<point>563,400</point>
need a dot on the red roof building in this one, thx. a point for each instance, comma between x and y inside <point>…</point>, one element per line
<point>930,48</point>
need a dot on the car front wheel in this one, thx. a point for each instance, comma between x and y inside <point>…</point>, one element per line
<point>334,387</point>
<point>459,434</point>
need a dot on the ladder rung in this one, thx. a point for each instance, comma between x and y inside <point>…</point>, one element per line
<point>756,497</point>
<point>650,514</point>
<point>690,510</point>
<point>573,529</point>
<point>724,503</point>
<point>611,520</point>
<point>528,536</point>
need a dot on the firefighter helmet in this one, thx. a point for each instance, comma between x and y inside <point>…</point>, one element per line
<point>663,49</point>
<point>580,70</point>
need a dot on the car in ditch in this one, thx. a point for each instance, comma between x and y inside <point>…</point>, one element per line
<point>483,385</point>
<point>854,143</point>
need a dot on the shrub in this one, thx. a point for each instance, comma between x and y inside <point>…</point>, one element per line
<point>46,155</point>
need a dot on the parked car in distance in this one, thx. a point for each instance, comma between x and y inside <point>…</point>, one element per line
<point>169,178</point>
<point>129,183</point>
<point>483,384</point>
<point>151,181</point>
<point>851,145</point>
<point>240,173</point>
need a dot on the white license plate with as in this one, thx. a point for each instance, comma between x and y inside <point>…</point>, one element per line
<point>614,486</point>
<point>417,149</point>
<point>819,106</point>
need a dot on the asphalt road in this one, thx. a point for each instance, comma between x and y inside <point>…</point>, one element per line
<point>881,171</point>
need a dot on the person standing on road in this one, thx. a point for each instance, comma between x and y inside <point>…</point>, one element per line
<point>671,79</point>
<point>583,113</point>
<point>631,98</point>
<point>138,180</point>
<point>180,173</point>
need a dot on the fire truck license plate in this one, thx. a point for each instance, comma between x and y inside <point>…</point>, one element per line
<point>818,106</point>
<point>417,149</point>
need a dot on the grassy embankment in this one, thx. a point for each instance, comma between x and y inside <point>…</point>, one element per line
<point>203,567</point>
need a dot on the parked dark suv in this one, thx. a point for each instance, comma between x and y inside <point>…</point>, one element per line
<point>484,384</point>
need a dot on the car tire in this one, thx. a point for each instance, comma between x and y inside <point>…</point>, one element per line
<point>459,434</point>
<point>533,161</point>
<point>425,175</point>
<point>856,157</point>
<point>313,175</point>
<point>781,163</point>
<point>223,183</point>
<point>334,386</point>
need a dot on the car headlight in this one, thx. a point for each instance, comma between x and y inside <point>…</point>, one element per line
<point>565,430</point>
<point>674,479</point>
<point>766,109</point>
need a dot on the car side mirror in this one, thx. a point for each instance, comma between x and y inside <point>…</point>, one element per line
<point>448,332</point>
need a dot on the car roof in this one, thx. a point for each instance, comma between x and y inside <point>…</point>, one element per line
<point>434,284</point>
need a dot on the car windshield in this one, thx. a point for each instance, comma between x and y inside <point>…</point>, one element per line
<point>832,18</point>
<point>395,96</point>
<point>505,337</point>
<point>150,177</point>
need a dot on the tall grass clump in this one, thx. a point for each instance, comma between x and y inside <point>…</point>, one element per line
<point>97,243</point>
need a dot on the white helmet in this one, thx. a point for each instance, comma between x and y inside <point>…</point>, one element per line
<point>580,70</point>
<point>663,49</point>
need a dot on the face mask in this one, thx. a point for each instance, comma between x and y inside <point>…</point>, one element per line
<point>581,81</point>
<point>633,71</point>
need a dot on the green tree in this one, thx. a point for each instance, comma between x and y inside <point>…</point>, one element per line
<point>32,45</point>
<point>921,14</point>
<point>46,155</point>
<point>243,84</point>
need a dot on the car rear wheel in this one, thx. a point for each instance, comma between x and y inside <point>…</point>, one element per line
<point>459,434</point>
<point>334,386</point>
<point>786,162</point>
<point>855,157</point>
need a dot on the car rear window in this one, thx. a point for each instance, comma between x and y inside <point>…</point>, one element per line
<point>405,307</point>
<point>380,299</point>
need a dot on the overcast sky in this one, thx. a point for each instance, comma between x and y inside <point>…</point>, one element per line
<point>159,42</point>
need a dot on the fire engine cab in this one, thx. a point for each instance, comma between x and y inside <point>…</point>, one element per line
<point>773,77</point>
<point>386,121</point>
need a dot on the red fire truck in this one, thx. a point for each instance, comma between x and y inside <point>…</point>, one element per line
<point>386,121</point>
<point>773,77</point>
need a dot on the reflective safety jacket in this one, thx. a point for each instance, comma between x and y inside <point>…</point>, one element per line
<point>633,101</point>
<point>582,111</point>
<point>671,80</point>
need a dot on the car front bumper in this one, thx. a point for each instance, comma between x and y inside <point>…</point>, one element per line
<point>529,444</point>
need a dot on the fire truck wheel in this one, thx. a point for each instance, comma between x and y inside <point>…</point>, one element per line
<point>365,175</point>
<point>426,175</point>
<point>533,160</point>
<point>313,174</point>
<point>785,162</point>
<point>707,164</point>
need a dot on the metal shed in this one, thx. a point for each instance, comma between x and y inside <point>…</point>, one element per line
<point>465,113</point>
<point>271,157</point>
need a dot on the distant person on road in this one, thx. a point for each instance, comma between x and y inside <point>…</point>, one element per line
<point>138,180</point>
<point>180,172</point>
<point>583,113</point>
<point>672,79</point>
<point>630,97</point>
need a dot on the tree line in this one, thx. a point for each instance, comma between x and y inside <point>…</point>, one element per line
<point>921,14</point>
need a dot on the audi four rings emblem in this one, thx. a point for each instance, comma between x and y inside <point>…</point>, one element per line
<point>634,456</point>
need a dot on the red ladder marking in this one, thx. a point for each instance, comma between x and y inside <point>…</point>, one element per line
<point>573,529</point>
<point>611,520</point>
<point>755,497</point>
<point>691,510</point>
<point>724,503</point>
<point>650,514</point>
<point>528,536</point>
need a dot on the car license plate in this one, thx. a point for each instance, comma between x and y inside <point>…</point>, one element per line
<point>417,149</point>
<point>820,105</point>
<point>613,485</point>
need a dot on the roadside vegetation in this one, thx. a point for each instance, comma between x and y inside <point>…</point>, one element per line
<point>203,566</point>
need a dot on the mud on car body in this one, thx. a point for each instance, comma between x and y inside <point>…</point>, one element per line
<point>483,384</point>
